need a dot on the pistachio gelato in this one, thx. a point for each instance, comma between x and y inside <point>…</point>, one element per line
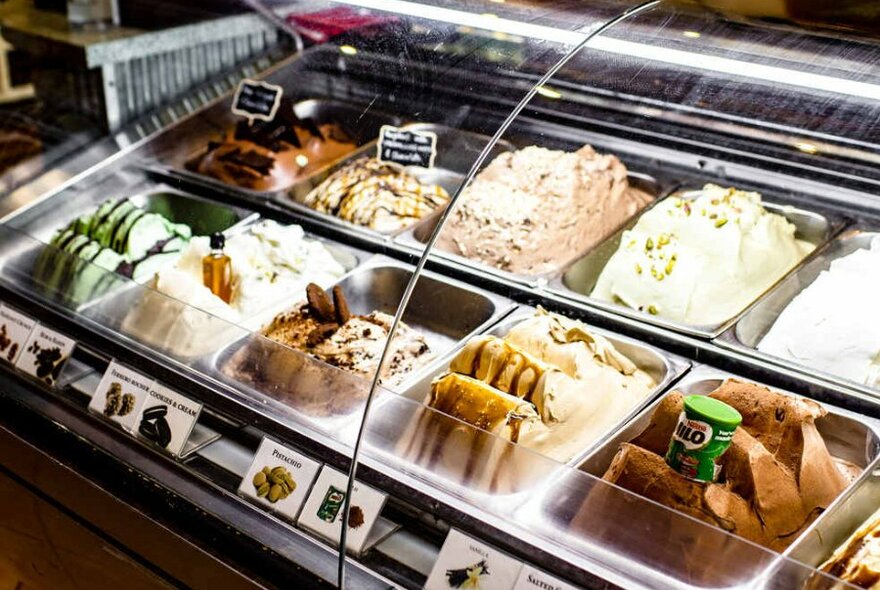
<point>701,257</point>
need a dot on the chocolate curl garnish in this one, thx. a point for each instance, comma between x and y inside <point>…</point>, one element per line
<point>320,304</point>
<point>343,313</point>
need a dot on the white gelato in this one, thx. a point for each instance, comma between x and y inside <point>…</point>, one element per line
<point>702,257</point>
<point>828,325</point>
<point>270,264</point>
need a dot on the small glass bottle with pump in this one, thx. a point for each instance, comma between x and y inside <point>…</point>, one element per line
<point>217,269</point>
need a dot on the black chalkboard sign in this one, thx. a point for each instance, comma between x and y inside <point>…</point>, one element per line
<point>257,100</point>
<point>407,147</point>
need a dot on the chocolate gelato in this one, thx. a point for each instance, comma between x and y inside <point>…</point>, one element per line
<point>273,155</point>
<point>533,210</point>
<point>775,479</point>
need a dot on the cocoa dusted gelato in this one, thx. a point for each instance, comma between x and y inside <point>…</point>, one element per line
<point>550,384</point>
<point>328,331</point>
<point>273,155</point>
<point>533,210</point>
<point>776,477</point>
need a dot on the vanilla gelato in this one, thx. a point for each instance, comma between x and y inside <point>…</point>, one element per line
<point>824,326</point>
<point>533,210</point>
<point>701,257</point>
<point>269,262</point>
<point>550,384</point>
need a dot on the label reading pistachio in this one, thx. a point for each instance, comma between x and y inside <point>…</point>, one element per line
<point>45,354</point>
<point>15,329</point>
<point>121,395</point>
<point>279,479</point>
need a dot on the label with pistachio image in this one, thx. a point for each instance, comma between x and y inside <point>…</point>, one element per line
<point>274,483</point>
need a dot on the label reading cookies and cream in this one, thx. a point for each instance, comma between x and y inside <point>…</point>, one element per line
<point>533,579</point>
<point>15,329</point>
<point>257,100</point>
<point>45,354</point>
<point>407,147</point>
<point>167,418</point>
<point>323,511</point>
<point>279,478</point>
<point>467,563</point>
<point>121,395</point>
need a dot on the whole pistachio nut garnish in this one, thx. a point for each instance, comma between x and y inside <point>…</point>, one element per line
<point>652,310</point>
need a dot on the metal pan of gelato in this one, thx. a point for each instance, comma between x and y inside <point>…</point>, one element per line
<point>133,237</point>
<point>544,381</point>
<point>531,212</point>
<point>366,195</point>
<point>267,157</point>
<point>343,330</point>
<point>815,320</point>
<point>790,460</point>
<point>268,262</point>
<point>673,266</point>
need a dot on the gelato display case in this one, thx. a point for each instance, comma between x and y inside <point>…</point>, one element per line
<point>489,294</point>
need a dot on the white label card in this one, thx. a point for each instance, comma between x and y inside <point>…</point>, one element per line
<point>121,395</point>
<point>322,513</point>
<point>167,418</point>
<point>45,354</point>
<point>15,329</point>
<point>467,563</point>
<point>532,579</point>
<point>279,478</point>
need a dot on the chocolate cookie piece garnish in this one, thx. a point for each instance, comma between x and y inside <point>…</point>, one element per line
<point>319,303</point>
<point>343,313</point>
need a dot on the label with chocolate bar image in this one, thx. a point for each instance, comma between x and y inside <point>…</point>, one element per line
<point>257,100</point>
<point>407,147</point>
<point>45,354</point>
<point>15,329</point>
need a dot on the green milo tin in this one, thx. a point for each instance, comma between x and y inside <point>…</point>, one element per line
<point>702,435</point>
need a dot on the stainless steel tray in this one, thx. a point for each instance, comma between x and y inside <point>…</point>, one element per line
<point>46,218</point>
<point>663,367</point>
<point>579,279</point>
<point>443,310</point>
<point>361,122</point>
<point>456,152</point>
<point>416,237</point>
<point>204,216</point>
<point>848,436</point>
<point>747,333</point>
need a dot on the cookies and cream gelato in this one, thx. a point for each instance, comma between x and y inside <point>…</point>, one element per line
<point>824,326</point>
<point>700,258</point>
<point>268,262</point>
<point>533,210</point>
